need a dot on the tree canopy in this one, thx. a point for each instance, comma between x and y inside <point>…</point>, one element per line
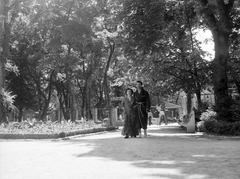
<point>72,55</point>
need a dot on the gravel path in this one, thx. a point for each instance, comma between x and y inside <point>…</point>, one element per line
<point>167,153</point>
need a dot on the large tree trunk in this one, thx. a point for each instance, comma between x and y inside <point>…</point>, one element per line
<point>221,41</point>
<point>217,16</point>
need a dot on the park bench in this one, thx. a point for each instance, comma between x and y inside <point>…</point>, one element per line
<point>188,122</point>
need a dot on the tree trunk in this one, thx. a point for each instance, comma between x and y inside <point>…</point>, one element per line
<point>189,102</point>
<point>198,94</point>
<point>218,17</point>
<point>73,107</point>
<point>48,98</point>
<point>105,80</point>
<point>221,41</point>
<point>4,42</point>
<point>2,111</point>
<point>86,99</point>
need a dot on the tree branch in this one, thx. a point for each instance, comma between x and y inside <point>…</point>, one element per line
<point>211,20</point>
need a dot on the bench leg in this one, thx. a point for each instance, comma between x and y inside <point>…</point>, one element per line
<point>191,129</point>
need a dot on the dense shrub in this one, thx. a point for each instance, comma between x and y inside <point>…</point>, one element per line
<point>209,116</point>
<point>222,128</point>
<point>229,110</point>
<point>211,125</point>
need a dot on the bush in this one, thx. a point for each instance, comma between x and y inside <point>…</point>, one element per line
<point>226,121</point>
<point>235,109</point>
<point>211,125</point>
<point>229,110</point>
<point>207,116</point>
<point>222,128</point>
<point>200,126</point>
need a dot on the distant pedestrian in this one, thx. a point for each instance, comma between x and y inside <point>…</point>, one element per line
<point>162,116</point>
<point>150,117</point>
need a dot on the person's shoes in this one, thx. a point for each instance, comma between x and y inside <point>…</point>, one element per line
<point>126,137</point>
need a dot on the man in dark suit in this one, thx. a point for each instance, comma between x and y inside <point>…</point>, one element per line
<point>143,105</point>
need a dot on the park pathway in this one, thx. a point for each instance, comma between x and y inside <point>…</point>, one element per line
<point>167,153</point>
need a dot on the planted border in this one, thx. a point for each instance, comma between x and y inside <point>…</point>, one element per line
<point>56,135</point>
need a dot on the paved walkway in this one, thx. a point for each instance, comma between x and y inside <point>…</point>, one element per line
<point>167,153</point>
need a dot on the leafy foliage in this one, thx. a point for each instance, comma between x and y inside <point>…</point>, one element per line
<point>209,115</point>
<point>7,99</point>
<point>161,42</point>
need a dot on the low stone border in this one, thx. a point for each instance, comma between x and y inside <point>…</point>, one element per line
<point>56,135</point>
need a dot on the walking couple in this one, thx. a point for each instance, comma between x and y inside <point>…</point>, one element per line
<point>136,107</point>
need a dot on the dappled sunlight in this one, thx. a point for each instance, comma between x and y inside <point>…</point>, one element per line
<point>167,162</point>
<point>181,176</point>
<point>161,155</point>
<point>121,154</point>
<point>202,156</point>
<point>168,169</point>
<point>197,176</point>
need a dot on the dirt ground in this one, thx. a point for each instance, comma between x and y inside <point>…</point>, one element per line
<point>167,153</point>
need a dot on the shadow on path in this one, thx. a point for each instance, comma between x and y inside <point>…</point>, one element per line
<point>168,152</point>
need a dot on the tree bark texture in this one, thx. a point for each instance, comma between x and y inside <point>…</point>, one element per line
<point>220,66</point>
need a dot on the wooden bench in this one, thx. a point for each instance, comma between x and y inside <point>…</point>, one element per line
<point>188,123</point>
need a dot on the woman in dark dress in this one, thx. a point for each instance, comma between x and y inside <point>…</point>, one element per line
<point>130,127</point>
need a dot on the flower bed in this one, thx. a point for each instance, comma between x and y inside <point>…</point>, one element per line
<point>49,130</point>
